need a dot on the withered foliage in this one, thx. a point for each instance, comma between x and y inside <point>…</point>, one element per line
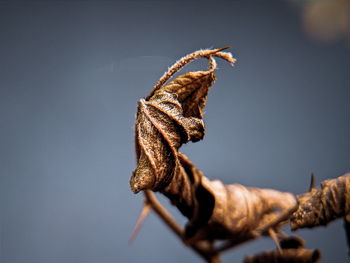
<point>171,115</point>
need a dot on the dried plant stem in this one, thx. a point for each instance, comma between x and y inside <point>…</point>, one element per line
<point>207,251</point>
<point>322,205</point>
<point>187,59</point>
<point>273,235</point>
<point>232,244</point>
<point>202,249</point>
<point>210,255</point>
<point>163,213</point>
<point>144,213</point>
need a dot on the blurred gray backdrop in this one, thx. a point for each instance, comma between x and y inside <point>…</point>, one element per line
<point>71,75</point>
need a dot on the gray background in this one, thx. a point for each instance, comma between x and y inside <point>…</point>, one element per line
<point>71,74</point>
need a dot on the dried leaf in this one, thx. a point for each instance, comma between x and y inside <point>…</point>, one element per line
<point>160,130</point>
<point>171,116</point>
<point>218,211</point>
<point>191,90</point>
<point>166,119</point>
<point>241,213</point>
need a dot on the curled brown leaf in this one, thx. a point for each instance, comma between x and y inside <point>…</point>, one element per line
<point>167,118</point>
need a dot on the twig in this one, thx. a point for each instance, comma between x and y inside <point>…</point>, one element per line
<point>187,59</point>
<point>202,249</point>
<point>163,213</point>
<point>144,212</point>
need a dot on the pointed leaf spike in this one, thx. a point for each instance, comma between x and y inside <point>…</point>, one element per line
<point>144,213</point>
<point>274,237</point>
<point>312,182</point>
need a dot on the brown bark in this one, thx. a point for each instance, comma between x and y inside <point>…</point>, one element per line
<point>321,206</point>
